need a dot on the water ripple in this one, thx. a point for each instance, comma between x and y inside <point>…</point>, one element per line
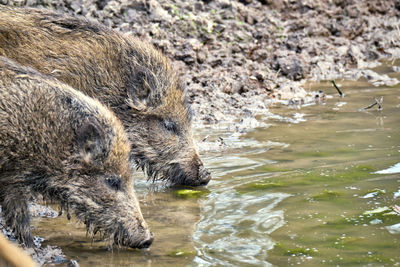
<point>234,228</point>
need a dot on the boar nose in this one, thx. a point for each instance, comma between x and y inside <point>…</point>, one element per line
<point>204,175</point>
<point>147,242</point>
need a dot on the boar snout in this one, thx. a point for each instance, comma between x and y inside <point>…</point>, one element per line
<point>147,242</point>
<point>195,173</point>
<point>204,175</point>
<point>141,237</point>
<point>144,243</point>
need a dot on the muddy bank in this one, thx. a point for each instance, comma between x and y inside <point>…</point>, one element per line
<point>41,255</point>
<point>239,57</point>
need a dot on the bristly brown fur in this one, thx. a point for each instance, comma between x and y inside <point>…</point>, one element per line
<point>69,148</point>
<point>123,72</point>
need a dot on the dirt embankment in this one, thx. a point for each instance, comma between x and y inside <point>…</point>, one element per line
<point>40,254</point>
<point>238,57</point>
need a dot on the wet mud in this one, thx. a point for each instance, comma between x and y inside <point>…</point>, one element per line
<point>237,58</point>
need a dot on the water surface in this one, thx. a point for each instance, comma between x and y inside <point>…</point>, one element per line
<point>311,188</point>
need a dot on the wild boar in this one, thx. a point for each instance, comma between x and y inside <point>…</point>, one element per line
<point>69,148</point>
<point>126,74</point>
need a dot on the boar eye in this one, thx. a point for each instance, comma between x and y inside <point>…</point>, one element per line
<point>114,182</point>
<point>170,126</point>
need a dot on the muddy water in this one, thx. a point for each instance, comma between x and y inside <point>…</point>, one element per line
<point>302,190</point>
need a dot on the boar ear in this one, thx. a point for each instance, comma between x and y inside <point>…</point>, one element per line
<point>136,104</point>
<point>91,141</point>
<point>139,89</point>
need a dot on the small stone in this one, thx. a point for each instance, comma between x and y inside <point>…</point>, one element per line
<point>159,15</point>
<point>201,56</point>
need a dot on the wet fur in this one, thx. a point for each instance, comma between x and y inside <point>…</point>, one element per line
<point>67,147</point>
<point>123,72</point>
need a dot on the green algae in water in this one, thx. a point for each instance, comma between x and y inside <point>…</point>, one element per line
<point>188,193</point>
<point>269,168</point>
<point>263,185</point>
<point>349,174</point>
<point>283,250</point>
<point>267,185</point>
<point>299,178</point>
<point>348,242</point>
<point>326,195</point>
<point>357,173</point>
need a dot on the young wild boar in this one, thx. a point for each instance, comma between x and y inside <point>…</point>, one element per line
<point>130,76</point>
<point>66,146</point>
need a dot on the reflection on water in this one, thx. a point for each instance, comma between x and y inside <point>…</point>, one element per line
<point>312,188</point>
<point>236,227</point>
<point>301,201</point>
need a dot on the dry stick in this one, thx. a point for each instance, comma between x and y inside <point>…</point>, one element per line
<point>337,88</point>
<point>369,106</point>
<point>277,73</point>
<point>377,102</point>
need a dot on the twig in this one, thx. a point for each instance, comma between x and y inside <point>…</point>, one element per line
<point>337,88</point>
<point>205,138</point>
<point>377,102</point>
<point>277,73</point>
<point>369,106</point>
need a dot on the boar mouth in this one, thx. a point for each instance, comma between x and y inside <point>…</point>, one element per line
<point>111,230</point>
<point>198,176</point>
<point>175,174</point>
<point>122,237</point>
<point>190,172</point>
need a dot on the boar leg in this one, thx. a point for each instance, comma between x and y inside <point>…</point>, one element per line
<point>16,214</point>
